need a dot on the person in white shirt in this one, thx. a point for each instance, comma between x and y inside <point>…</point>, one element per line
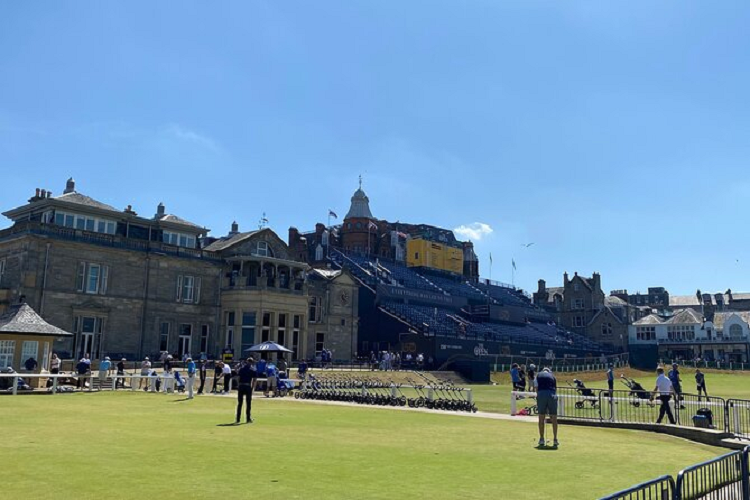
<point>145,372</point>
<point>226,370</point>
<point>664,390</point>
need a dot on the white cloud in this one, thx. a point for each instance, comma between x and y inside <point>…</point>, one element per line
<point>187,135</point>
<point>474,231</point>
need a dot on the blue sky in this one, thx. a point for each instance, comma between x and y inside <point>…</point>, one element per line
<point>613,135</point>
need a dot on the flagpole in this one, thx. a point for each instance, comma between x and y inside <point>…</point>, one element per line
<point>513,273</point>
<point>328,246</point>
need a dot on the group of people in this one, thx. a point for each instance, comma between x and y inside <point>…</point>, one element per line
<point>670,385</point>
<point>520,376</point>
<point>394,361</point>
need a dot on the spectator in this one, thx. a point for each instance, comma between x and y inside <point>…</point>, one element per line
<point>163,357</point>
<point>104,368</point>
<point>54,364</point>
<point>664,389</point>
<point>168,363</point>
<point>227,372</point>
<point>30,364</point>
<point>87,359</point>
<point>700,383</point>
<point>281,365</point>
<point>218,372</point>
<point>515,378</point>
<point>202,368</point>
<point>611,379</point>
<point>397,363</point>
<point>185,357</point>
<point>531,376</point>
<point>120,380</point>
<point>271,377</point>
<point>145,371</point>
<point>190,377</point>
<point>373,361</point>
<point>674,377</point>
<point>302,370</point>
<point>261,367</point>
<point>522,377</point>
<point>420,361</point>
<point>248,378</point>
<point>546,399</point>
<point>82,369</point>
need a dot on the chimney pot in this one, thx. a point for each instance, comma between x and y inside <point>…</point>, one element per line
<point>37,192</point>
<point>43,193</point>
<point>70,186</point>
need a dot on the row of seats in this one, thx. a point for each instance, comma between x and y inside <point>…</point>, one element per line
<point>447,323</point>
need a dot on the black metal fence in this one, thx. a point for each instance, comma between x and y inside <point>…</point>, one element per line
<point>723,478</point>
<point>738,417</point>
<point>661,488</point>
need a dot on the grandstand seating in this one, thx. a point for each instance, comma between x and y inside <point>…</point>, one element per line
<point>446,322</point>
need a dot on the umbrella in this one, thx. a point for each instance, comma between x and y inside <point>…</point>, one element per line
<point>268,346</point>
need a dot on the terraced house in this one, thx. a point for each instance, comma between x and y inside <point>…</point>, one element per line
<point>129,285</point>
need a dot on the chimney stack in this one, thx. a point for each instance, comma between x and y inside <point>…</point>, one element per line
<point>235,228</point>
<point>160,211</point>
<point>70,186</point>
<point>43,193</point>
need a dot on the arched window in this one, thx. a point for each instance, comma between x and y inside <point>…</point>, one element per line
<point>735,331</point>
<point>606,329</point>
<point>359,225</point>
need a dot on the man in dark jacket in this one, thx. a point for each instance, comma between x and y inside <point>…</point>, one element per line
<point>248,378</point>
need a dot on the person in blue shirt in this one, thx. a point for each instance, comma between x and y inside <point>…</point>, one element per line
<point>515,377</point>
<point>302,369</point>
<point>611,379</point>
<point>272,375</point>
<point>104,368</point>
<point>546,400</point>
<point>190,376</point>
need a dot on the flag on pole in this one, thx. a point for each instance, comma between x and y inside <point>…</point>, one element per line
<point>490,258</point>
<point>331,213</point>
<point>372,225</point>
<point>514,264</point>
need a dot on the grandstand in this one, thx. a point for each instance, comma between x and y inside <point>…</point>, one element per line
<point>432,305</point>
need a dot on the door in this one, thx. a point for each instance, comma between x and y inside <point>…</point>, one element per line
<point>186,334</point>
<point>90,336</point>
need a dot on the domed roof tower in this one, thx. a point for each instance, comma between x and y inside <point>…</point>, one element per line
<point>360,207</point>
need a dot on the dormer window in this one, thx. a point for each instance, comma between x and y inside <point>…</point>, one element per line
<point>85,223</point>
<point>262,249</point>
<point>178,239</point>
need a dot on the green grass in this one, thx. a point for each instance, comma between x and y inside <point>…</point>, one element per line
<point>136,446</point>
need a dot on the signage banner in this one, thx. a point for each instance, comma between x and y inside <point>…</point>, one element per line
<point>424,296</point>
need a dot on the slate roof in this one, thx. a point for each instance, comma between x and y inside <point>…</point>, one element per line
<point>327,273</point>
<point>685,317</point>
<point>721,317</point>
<point>651,319</point>
<point>223,244</point>
<point>552,291</point>
<point>613,301</point>
<point>23,319</point>
<point>179,220</point>
<point>683,301</point>
<point>82,199</point>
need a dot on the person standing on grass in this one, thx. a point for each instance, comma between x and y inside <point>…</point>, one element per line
<point>54,367</point>
<point>145,371</point>
<point>664,389</point>
<point>190,377</point>
<point>120,380</point>
<point>700,383</point>
<point>82,368</point>
<point>248,378</point>
<point>226,371</point>
<point>202,374</point>
<point>674,377</point>
<point>531,372</point>
<point>302,370</point>
<point>218,371</point>
<point>611,379</point>
<point>515,377</point>
<point>546,400</point>
<point>104,368</point>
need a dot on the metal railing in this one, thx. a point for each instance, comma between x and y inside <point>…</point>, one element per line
<point>738,417</point>
<point>723,478</point>
<point>726,477</point>
<point>661,488</point>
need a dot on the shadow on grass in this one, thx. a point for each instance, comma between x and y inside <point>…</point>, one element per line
<point>233,424</point>
<point>546,448</point>
<point>180,400</point>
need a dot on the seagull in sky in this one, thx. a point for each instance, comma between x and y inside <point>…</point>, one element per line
<point>527,245</point>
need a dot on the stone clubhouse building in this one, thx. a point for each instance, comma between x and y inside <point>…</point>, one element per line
<point>130,286</point>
